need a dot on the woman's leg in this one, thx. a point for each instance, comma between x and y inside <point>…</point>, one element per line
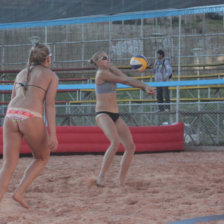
<point>12,139</point>
<point>109,129</point>
<point>128,143</point>
<point>35,134</point>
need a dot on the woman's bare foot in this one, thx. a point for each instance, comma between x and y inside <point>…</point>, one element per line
<point>19,199</point>
<point>99,185</point>
<point>99,182</point>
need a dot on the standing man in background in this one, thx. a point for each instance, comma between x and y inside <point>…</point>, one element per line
<point>163,72</point>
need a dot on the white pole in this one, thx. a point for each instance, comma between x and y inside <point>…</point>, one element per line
<point>142,52</point>
<point>3,68</point>
<point>110,37</point>
<point>178,88</point>
<point>198,74</point>
<point>45,35</point>
<point>196,52</point>
<point>83,47</point>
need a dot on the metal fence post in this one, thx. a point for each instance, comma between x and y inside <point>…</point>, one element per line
<point>179,67</point>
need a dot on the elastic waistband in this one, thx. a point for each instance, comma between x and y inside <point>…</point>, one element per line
<point>24,110</point>
<point>106,112</point>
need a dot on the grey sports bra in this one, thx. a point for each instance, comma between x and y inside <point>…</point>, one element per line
<point>106,87</point>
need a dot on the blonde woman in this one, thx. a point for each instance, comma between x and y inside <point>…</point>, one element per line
<point>33,86</point>
<point>107,115</point>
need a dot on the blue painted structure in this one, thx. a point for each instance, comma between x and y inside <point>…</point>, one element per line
<point>153,84</point>
<point>117,17</point>
<point>199,219</point>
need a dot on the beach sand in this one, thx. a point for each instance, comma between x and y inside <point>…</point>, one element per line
<point>160,188</point>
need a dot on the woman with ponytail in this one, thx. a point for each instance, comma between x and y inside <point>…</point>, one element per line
<point>33,86</point>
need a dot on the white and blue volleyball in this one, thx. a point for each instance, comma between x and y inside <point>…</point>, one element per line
<point>139,63</point>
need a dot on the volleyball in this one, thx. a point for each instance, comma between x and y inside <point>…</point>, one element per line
<point>139,63</point>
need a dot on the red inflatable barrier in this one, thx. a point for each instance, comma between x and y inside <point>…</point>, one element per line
<point>90,139</point>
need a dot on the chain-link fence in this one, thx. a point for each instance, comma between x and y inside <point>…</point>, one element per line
<point>203,121</point>
<point>202,41</point>
<point>193,43</point>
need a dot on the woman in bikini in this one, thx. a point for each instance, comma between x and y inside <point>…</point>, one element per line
<point>33,86</point>
<point>107,115</point>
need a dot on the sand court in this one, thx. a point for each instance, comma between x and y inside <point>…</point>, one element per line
<point>161,188</point>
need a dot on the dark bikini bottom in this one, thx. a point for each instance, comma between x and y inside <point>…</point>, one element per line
<point>113,116</point>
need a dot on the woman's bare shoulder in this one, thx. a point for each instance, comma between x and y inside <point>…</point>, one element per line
<point>22,74</point>
<point>103,72</point>
<point>100,75</point>
<point>54,76</point>
<point>50,73</point>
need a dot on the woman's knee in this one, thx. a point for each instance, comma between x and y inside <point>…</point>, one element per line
<point>115,144</point>
<point>131,147</point>
<point>43,157</point>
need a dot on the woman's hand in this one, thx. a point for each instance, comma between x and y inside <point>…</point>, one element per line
<point>149,90</point>
<point>53,142</point>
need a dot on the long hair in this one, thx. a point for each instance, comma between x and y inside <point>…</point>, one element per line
<point>37,56</point>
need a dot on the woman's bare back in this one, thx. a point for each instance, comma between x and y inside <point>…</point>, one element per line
<point>31,95</point>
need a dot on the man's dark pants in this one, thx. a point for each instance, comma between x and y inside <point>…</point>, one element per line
<point>160,92</point>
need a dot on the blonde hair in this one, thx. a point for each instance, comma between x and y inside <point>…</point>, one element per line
<point>95,57</point>
<point>37,56</point>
